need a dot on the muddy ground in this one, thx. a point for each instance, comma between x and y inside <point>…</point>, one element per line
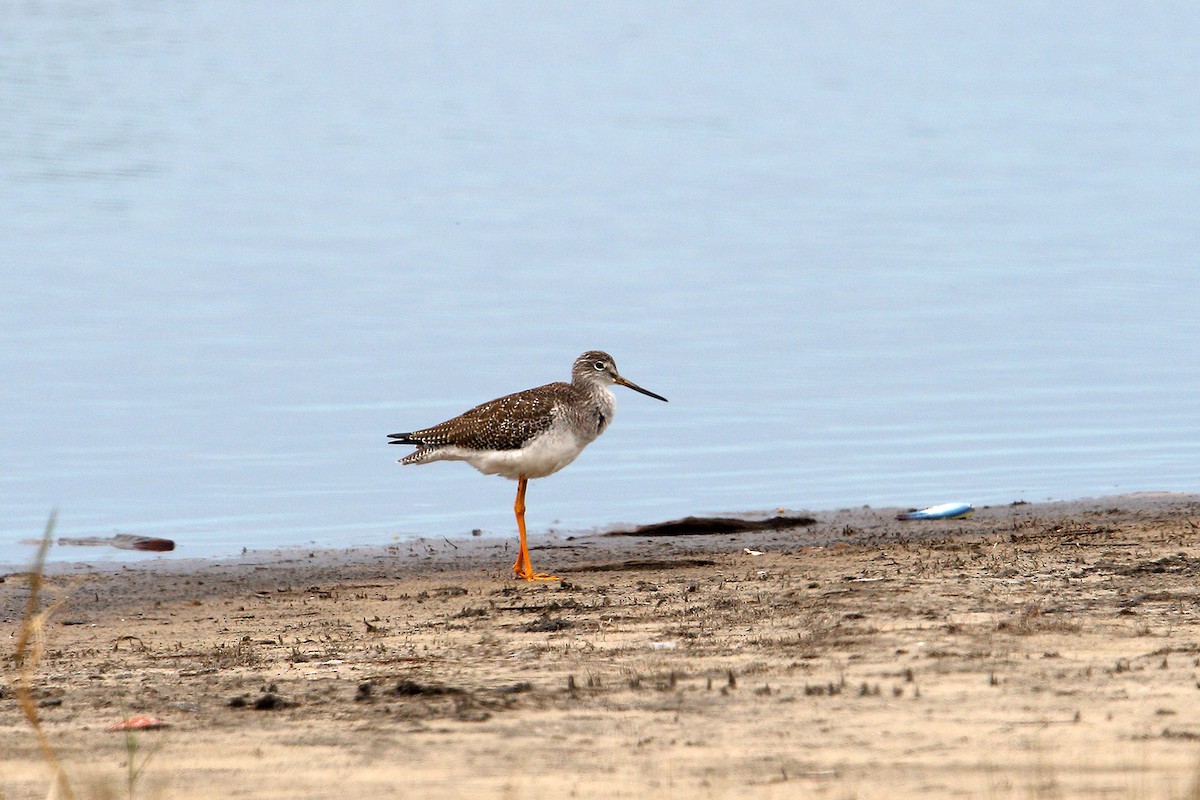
<point>1034,650</point>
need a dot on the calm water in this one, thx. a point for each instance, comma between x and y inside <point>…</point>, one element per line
<point>873,254</point>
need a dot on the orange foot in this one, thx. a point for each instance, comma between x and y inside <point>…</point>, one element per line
<point>528,574</point>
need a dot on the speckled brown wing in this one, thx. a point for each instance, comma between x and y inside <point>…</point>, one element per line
<point>505,423</point>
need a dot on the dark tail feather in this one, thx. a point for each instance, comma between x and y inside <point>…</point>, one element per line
<point>401,438</point>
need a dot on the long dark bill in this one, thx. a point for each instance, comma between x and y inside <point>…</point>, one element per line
<point>636,388</point>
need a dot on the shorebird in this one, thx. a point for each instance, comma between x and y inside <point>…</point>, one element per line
<point>529,434</point>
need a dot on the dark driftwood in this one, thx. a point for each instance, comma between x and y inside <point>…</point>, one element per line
<point>702,526</point>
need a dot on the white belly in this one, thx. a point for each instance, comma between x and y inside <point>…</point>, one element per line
<point>540,457</point>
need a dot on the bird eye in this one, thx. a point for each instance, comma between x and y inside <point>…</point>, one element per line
<point>599,365</point>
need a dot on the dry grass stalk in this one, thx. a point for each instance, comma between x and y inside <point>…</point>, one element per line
<point>28,655</point>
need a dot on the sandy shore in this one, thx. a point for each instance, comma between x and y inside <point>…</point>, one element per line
<point>1034,650</point>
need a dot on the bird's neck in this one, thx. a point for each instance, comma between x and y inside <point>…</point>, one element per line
<point>602,403</point>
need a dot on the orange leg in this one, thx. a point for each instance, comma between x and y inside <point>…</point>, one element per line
<point>523,568</point>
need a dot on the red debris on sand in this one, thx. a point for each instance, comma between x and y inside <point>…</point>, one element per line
<point>137,724</point>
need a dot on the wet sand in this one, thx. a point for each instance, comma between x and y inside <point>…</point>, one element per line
<point>1034,650</point>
